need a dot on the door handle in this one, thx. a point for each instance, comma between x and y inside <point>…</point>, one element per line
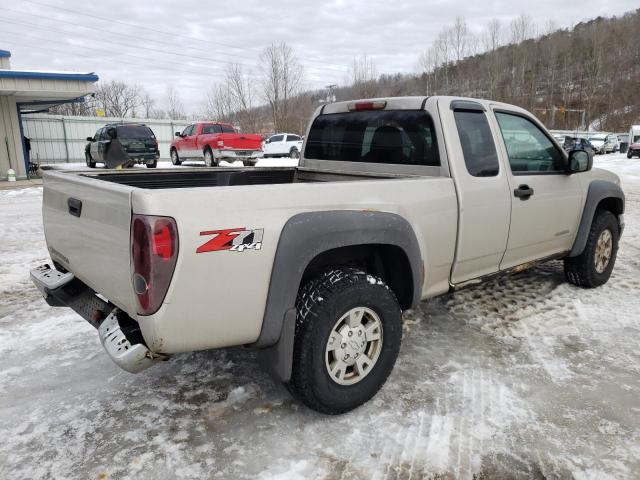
<point>523,192</point>
<point>75,207</point>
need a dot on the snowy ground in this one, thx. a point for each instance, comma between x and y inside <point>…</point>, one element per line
<point>522,377</point>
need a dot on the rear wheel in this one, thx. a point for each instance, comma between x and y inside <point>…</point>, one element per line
<point>594,265</point>
<point>89,160</point>
<point>175,159</point>
<point>347,339</point>
<point>152,165</point>
<point>209,159</point>
<point>294,153</point>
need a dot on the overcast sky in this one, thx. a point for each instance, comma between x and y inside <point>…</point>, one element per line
<point>188,43</point>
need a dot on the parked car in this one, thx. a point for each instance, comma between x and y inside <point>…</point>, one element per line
<point>213,142</point>
<point>634,140</point>
<point>633,150</point>
<point>604,142</point>
<point>283,145</point>
<point>578,143</point>
<point>395,200</point>
<point>123,144</point>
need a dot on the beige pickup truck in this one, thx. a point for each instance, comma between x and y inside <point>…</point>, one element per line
<point>395,200</point>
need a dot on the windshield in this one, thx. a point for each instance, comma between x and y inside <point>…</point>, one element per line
<point>134,131</point>
<point>402,137</point>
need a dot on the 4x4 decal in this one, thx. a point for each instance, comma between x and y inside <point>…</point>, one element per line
<point>233,239</point>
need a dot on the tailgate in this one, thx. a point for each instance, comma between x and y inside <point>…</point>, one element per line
<point>87,228</point>
<point>241,141</point>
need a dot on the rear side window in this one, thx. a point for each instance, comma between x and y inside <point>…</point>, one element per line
<point>227,129</point>
<point>134,131</point>
<point>478,147</point>
<point>211,129</point>
<point>400,137</point>
<point>276,138</point>
<point>293,138</point>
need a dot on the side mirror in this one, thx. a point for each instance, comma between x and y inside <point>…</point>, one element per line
<point>89,139</point>
<point>579,161</point>
<point>178,134</point>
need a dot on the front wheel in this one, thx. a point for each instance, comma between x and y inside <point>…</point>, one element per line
<point>347,339</point>
<point>152,165</point>
<point>594,265</point>
<point>629,155</point>
<point>175,159</point>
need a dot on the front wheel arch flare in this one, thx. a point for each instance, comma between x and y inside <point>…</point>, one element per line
<point>602,194</point>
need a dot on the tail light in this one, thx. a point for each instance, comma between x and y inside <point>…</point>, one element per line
<point>375,105</point>
<point>221,143</point>
<point>154,251</point>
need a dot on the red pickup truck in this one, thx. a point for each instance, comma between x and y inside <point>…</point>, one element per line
<point>213,142</point>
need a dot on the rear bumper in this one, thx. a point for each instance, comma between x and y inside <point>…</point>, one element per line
<point>238,154</point>
<point>119,334</point>
<point>144,157</point>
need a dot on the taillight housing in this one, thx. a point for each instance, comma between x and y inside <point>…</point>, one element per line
<point>220,143</point>
<point>371,105</point>
<point>154,252</point>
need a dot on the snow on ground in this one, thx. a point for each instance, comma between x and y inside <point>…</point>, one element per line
<point>521,377</point>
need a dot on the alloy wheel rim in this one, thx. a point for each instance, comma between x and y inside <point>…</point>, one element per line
<point>354,345</point>
<point>604,250</point>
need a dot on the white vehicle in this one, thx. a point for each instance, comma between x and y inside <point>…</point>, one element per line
<point>604,142</point>
<point>395,200</point>
<point>634,134</point>
<point>283,145</point>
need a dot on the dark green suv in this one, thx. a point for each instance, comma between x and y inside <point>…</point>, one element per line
<point>122,144</point>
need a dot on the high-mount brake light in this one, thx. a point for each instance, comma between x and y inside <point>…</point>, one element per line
<point>154,252</point>
<point>375,105</point>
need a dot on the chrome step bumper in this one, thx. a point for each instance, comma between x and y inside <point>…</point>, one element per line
<point>64,290</point>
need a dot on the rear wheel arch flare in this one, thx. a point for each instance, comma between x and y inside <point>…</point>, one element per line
<point>305,239</point>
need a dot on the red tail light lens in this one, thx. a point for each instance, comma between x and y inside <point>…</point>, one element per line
<point>220,143</point>
<point>154,251</point>
<point>375,105</point>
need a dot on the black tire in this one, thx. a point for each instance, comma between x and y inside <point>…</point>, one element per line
<point>320,304</point>
<point>629,155</point>
<point>89,160</point>
<point>152,165</point>
<point>294,153</point>
<point>213,162</point>
<point>175,158</point>
<point>581,270</point>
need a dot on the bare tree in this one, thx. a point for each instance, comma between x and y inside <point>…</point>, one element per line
<point>281,81</point>
<point>175,108</point>
<point>459,35</point>
<point>117,98</point>
<point>522,28</point>
<point>363,77</point>
<point>147,103</point>
<point>241,90</point>
<point>492,36</point>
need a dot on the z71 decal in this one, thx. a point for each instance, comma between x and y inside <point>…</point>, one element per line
<point>232,239</point>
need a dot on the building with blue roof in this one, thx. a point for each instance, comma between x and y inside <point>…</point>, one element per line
<point>25,91</point>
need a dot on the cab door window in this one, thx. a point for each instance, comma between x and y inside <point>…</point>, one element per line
<point>529,149</point>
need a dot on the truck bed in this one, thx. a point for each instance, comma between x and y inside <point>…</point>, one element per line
<point>200,177</point>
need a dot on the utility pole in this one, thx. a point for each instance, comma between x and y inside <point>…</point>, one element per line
<point>331,97</point>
